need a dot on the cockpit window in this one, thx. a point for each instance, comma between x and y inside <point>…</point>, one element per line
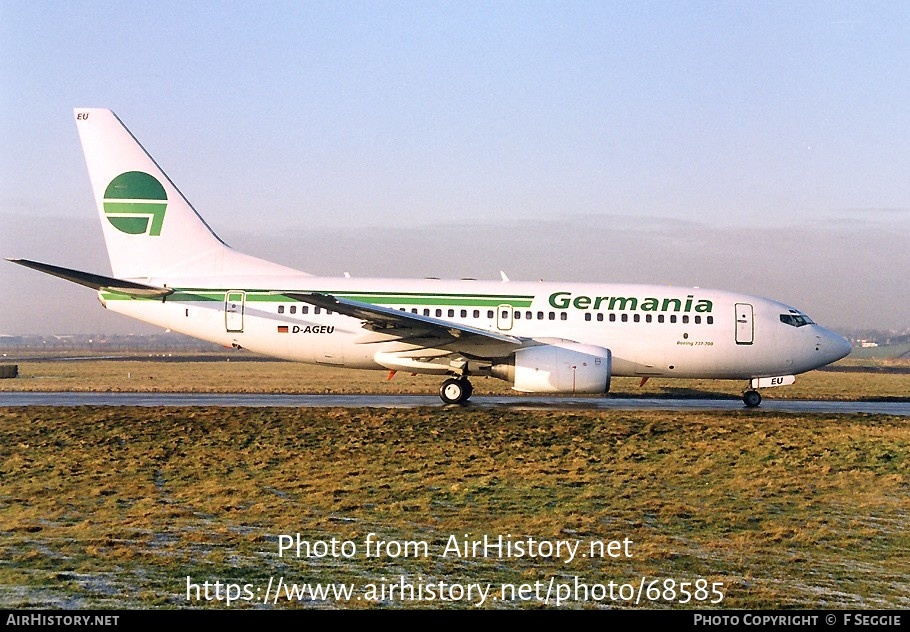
<point>795,319</point>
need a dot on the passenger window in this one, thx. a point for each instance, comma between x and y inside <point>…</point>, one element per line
<point>588,316</point>
<point>600,317</point>
<point>464,313</point>
<point>476,313</point>
<point>698,320</point>
<point>293,309</point>
<point>686,320</point>
<point>672,318</point>
<point>426,312</point>
<point>438,313</point>
<point>305,309</point>
<point>539,315</point>
<point>451,313</point>
<point>563,315</point>
<point>612,318</point>
<point>317,310</point>
<point>281,309</point>
<point>517,315</point>
<point>710,320</point>
<point>490,314</point>
<point>660,318</point>
<point>625,318</point>
<point>636,318</point>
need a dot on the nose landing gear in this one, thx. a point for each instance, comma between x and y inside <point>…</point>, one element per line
<point>751,399</point>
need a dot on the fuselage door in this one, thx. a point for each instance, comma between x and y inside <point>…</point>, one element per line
<point>233,311</point>
<point>504,317</point>
<point>745,324</point>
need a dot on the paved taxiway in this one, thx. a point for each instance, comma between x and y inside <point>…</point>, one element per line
<point>413,401</point>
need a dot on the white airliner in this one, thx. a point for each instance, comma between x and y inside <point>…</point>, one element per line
<point>170,269</point>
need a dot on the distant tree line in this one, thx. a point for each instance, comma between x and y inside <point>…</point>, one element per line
<point>100,343</point>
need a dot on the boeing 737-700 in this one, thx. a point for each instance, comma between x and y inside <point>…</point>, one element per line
<point>170,269</point>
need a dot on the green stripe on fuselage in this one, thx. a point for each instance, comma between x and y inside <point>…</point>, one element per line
<point>373,298</point>
<point>438,299</point>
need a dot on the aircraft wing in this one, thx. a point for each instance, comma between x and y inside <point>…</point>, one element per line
<point>433,332</point>
<point>96,281</point>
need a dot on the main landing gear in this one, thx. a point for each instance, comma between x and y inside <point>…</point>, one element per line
<point>456,390</point>
<point>751,399</point>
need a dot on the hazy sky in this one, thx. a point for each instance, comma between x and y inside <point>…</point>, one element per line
<point>759,146</point>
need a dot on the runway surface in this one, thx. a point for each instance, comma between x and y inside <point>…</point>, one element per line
<point>413,401</point>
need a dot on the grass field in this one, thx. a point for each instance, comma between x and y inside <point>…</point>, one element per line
<point>241,374</point>
<point>116,507</point>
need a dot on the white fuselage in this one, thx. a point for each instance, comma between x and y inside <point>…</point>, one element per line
<point>650,330</point>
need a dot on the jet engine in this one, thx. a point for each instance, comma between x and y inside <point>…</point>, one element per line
<point>557,366</point>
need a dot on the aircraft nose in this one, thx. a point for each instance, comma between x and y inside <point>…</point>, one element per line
<point>833,345</point>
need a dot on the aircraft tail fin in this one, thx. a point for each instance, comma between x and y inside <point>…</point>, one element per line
<point>150,229</point>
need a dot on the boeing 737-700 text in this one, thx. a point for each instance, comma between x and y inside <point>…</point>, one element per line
<point>170,269</point>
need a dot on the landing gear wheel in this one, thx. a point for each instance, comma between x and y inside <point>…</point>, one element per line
<point>751,399</point>
<point>455,391</point>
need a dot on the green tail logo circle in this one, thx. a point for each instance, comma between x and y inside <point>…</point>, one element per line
<point>134,203</point>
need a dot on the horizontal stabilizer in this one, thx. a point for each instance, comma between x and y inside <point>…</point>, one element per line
<point>96,281</point>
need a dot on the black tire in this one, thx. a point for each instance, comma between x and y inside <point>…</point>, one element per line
<point>751,399</point>
<point>454,391</point>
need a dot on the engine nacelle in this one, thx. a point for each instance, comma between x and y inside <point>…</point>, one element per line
<point>559,366</point>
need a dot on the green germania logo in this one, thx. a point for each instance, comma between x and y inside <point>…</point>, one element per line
<point>134,202</point>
